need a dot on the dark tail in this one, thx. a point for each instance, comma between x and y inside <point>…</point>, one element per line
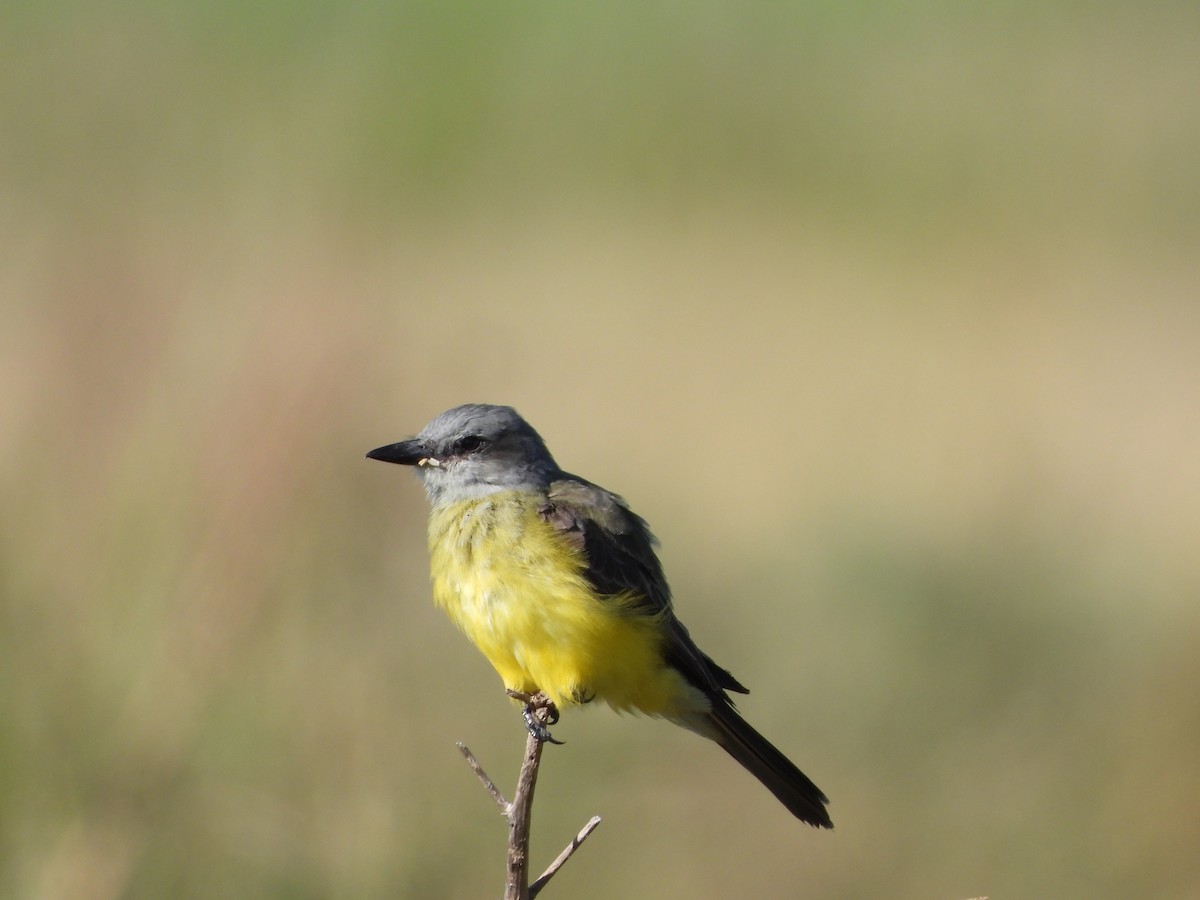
<point>760,758</point>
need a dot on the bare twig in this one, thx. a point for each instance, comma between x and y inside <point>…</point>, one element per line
<point>564,856</point>
<point>519,812</point>
<point>516,884</point>
<point>488,784</point>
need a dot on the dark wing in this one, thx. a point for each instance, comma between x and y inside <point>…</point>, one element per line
<point>619,550</point>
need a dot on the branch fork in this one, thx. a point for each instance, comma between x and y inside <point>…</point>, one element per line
<point>539,712</point>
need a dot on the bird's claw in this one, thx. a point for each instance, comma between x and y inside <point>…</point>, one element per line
<point>534,704</point>
<point>536,728</point>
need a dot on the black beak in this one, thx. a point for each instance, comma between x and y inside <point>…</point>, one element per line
<point>405,453</point>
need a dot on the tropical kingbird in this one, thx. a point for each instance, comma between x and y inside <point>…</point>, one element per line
<point>556,581</point>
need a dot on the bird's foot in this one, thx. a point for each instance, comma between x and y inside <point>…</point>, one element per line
<point>538,712</point>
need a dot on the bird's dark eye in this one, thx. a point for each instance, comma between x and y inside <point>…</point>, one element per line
<point>470,444</point>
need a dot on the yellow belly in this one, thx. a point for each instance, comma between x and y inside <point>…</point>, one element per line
<point>518,591</point>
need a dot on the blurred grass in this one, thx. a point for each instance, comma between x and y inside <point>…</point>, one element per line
<point>885,318</point>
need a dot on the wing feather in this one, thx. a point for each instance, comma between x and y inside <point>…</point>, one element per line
<point>619,550</point>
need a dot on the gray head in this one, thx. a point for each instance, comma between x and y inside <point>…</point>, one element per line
<point>472,451</point>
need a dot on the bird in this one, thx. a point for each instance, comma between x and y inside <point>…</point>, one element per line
<point>556,581</point>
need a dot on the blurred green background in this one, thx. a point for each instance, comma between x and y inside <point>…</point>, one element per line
<point>884,315</point>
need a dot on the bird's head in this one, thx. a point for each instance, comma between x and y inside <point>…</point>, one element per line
<point>474,450</point>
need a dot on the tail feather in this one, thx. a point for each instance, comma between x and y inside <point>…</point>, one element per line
<point>778,774</point>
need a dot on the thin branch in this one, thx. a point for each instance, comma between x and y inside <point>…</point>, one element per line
<point>539,712</point>
<point>488,784</point>
<point>564,856</point>
<point>516,884</point>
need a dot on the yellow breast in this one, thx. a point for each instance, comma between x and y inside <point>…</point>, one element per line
<point>519,592</point>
